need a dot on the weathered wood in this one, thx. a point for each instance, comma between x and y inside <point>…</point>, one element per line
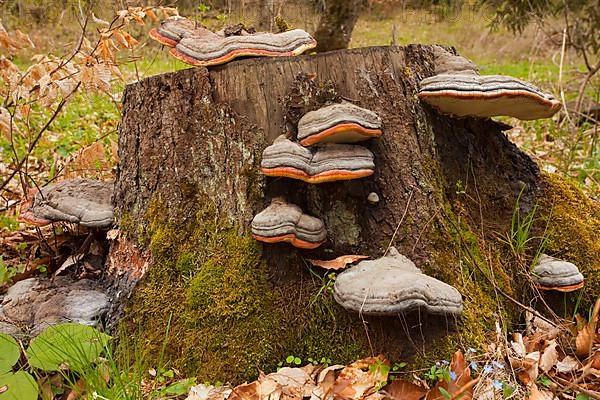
<point>196,136</point>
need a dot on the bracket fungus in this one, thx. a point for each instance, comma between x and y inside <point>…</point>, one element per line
<point>207,48</point>
<point>338,123</point>
<point>458,89</point>
<point>391,285</point>
<point>173,29</point>
<point>446,62</point>
<point>285,222</point>
<point>82,201</point>
<point>551,273</point>
<point>327,163</point>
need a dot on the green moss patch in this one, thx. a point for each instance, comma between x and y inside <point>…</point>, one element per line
<point>573,227</point>
<point>207,308</point>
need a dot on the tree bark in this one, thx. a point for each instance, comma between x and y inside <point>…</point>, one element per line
<point>337,23</point>
<point>193,139</point>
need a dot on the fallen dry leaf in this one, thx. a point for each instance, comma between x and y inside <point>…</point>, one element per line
<point>568,364</point>
<point>360,378</point>
<point>527,368</point>
<point>537,394</point>
<point>549,357</point>
<point>404,390</point>
<point>339,262</point>
<point>295,383</point>
<point>204,392</point>
<point>247,391</point>
<point>517,345</point>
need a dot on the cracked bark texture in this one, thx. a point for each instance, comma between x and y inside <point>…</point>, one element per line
<point>204,130</point>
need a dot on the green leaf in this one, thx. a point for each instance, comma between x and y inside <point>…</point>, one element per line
<point>18,386</point>
<point>445,393</point>
<point>582,396</point>
<point>297,361</point>
<point>70,345</point>
<point>289,359</point>
<point>180,387</point>
<point>507,390</point>
<point>9,352</point>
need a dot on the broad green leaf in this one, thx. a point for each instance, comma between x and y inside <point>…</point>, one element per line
<point>180,387</point>
<point>72,346</point>
<point>9,352</point>
<point>18,386</point>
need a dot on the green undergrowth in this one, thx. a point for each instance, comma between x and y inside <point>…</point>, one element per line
<point>459,259</point>
<point>210,287</point>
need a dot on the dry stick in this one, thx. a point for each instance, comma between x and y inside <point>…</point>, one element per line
<point>506,295</point>
<point>464,388</point>
<point>587,369</point>
<point>593,324</point>
<point>560,74</point>
<point>399,223</point>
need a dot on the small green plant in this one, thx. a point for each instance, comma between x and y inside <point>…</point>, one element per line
<point>323,361</point>
<point>520,236</point>
<point>438,372</point>
<point>520,229</point>
<point>380,369</point>
<point>290,361</point>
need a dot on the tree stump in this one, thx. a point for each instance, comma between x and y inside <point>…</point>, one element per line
<point>188,186</point>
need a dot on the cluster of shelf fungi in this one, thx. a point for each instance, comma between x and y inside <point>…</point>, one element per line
<point>326,150</point>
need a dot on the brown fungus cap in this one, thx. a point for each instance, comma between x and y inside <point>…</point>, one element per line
<point>285,222</point>
<point>551,273</point>
<point>81,201</point>
<point>486,96</point>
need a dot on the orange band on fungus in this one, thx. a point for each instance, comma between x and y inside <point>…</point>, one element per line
<point>565,289</point>
<point>154,34</point>
<point>328,176</point>
<point>289,238</point>
<point>502,93</point>
<point>237,53</point>
<point>340,128</point>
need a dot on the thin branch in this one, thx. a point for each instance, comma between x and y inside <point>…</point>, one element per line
<point>38,137</point>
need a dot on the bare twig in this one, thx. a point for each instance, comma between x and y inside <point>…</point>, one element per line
<point>399,223</point>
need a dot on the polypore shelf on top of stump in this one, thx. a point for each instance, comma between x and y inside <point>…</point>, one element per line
<point>391,285</point>
<point>327,163</point>
<point>173,29</point>
<point>551,273</point>
<point>82,201</point>
<point>284,222</point>
<point>338,123</point>
<point>206,48</point>
<point>459,90</point>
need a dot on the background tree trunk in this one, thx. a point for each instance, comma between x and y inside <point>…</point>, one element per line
<point>336,24</point>
<point>266,15</point>
<point>188,186</point>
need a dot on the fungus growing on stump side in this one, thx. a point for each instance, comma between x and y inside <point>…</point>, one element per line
<point>338,123</point>
<point>206,48</point>
<point>486,96</point>
<point>458,89</point>
<point>327,163</point>
<point>284,222</point>
<point>391,285</point>
<point>82,201</point>
<point>551,273</point>
<point>175,28</point>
